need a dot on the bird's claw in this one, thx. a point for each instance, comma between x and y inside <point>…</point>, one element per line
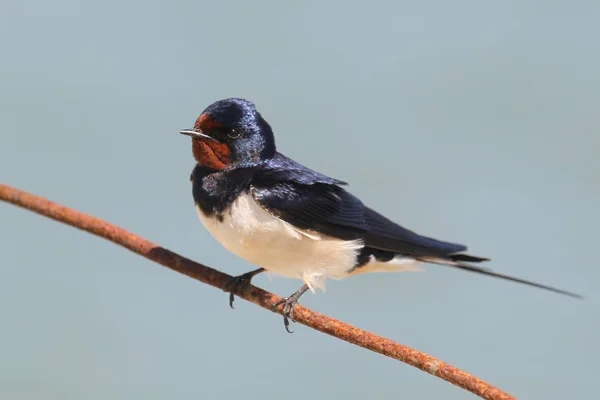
<point>238,282</point>
<point>288,310</point>
<point>288,307</point>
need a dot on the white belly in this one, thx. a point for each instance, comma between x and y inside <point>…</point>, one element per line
<point>258,237</point>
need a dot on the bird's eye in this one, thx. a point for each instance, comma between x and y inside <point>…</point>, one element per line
<point>234,133</point>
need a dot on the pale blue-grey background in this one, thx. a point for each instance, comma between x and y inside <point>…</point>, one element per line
<point>470,121</point>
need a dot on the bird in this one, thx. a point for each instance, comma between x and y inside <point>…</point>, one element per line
<point>293,221</point>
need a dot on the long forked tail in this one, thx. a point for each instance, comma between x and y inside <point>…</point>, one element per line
<point>459,260</point>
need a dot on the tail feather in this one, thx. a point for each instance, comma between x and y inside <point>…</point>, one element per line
<point>467,258</point>
<point>456,261</point>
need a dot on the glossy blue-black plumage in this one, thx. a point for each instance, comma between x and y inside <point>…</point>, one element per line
<point>310,200</point>
<point>306,198</point>
<point>241,116</point>
<point>313,201</point>
<point>294,192</point>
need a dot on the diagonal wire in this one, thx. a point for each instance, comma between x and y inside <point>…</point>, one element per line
<point>251,293</point>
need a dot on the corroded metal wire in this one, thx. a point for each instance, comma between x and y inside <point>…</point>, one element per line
<point>251,293</point>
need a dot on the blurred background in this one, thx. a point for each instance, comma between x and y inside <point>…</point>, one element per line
<point>473,122</point>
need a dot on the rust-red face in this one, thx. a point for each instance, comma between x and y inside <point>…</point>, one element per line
<point>207,150</point>
<point>231,133</point>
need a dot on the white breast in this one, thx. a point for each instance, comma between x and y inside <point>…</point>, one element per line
<point>260,238</point>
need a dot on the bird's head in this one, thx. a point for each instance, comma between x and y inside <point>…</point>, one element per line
<point>231,133</point>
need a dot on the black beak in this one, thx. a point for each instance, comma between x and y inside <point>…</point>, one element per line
<point>194,134</point>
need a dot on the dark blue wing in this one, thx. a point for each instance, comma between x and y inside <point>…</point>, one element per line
<point>282,169</point>
<point>320,207</point>
<point>310,200</point>
<point>307,202</point>
<point>387,235</point>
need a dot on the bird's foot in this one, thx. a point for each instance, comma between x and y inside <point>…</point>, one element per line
<point>288,306</point>
<point>238,282</point>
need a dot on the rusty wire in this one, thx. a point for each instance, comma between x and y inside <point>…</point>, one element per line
<point>251,293</point>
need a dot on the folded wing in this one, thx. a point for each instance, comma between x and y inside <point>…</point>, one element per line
<point>331,210</point>
<point>310,200</point>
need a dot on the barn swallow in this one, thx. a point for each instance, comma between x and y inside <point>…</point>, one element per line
<point>290,220</point>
